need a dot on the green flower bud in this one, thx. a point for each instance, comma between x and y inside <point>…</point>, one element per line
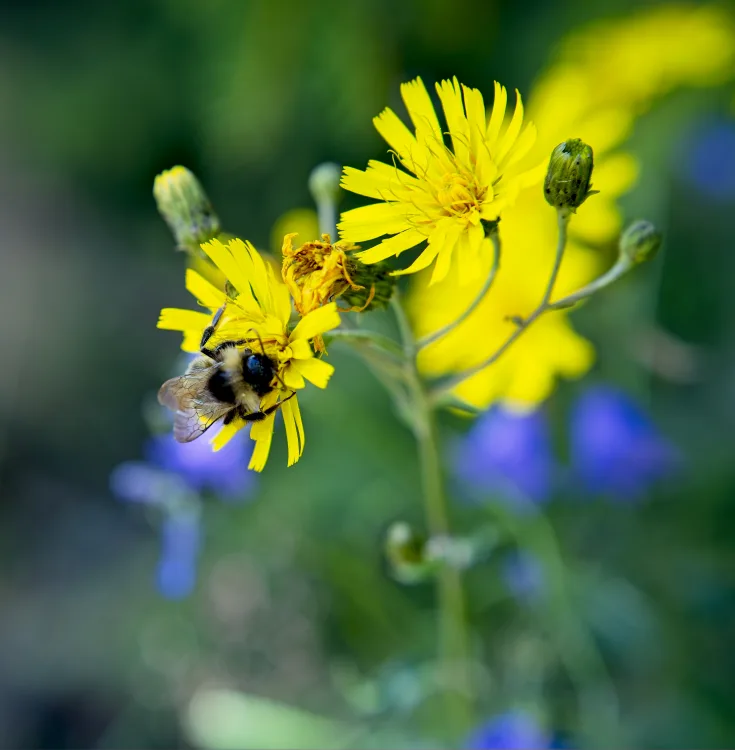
<point>324,183</point>
<point>184,205</point>
<point>640,241</point>
<point>567,184</point>
<point>405,550</point>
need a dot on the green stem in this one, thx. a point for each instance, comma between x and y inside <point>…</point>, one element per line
<point>453,632</point>
<point>620,268</point>
<point>448,384</point>
<point>444,330</point>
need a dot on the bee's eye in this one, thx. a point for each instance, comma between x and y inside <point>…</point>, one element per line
<point>257,370</point>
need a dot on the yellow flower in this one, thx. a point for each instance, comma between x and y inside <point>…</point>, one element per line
<point>261,310</point>
<point>607,75</point>
<point>450,192</point>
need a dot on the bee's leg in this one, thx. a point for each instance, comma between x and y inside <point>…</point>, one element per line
<point>209,332</point>
<point>229,416</point>
<point>258,416</point>
<point>225,345</point>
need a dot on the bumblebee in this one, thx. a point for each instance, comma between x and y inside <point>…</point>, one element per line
<point>221,383</point>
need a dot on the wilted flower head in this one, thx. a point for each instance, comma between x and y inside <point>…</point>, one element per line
<point>514,730</point>
<point>319,272</point>
<point>257,308</point>
<point>436,193</point>
<point>508,453</point>
<point>615,448</point>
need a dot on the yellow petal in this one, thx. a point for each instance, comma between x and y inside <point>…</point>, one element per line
<point>425,259</point>
<point>444,259</point>
<point>369,222</point>
<point>513,129</point>
<point>300,349</point>
<point>316,371</point>
<point>293,434</point>
<point>226,434</point>
<point>496,118</point>
<point>318,321</point>
<point>396,135</point>
<point>292,378</point>
<point>206,293</point>
<point>262,433</point>
<point>393,246</point>
<point>379,180</point>
<point>475,106</point>
<point>192,342</point>
<point>221,256</point>
<point>421,110</point>
<point>451,99</point>
<point>175,319</point>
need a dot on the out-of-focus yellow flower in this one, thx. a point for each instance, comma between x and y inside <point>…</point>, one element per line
<point>259,311</point>
<point>607,75</point>
<point>447,194</point>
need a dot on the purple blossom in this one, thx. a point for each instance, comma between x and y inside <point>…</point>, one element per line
<point>176,571</point>
<point>615,448</point>
<point>224,472</point>
<point>513,730</point>
<point>508,453</point>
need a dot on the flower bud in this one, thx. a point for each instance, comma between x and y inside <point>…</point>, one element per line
<point>640,241</point>
<point>185,206</point>
<point>405,551</point>
<point>324,183</point>
<point>567,183</point>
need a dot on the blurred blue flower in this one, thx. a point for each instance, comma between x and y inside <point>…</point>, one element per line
<point>177,565</point>
<point>615,448</point>
<point>224,472</point>
<point>513,730</point>
<point>508,453</point>
<point>709,162</point>
<point>523,575</point>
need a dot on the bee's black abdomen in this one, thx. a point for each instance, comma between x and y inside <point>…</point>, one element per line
<point>220,388</point>
<point>257,372</point>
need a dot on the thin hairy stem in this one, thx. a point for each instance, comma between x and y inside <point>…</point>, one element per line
<point>522,325</point>
<point>436,335</point>
<point>622,267</point>
<point>453,631</point>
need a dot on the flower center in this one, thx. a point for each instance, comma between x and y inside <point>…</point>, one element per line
<point>459,194</point>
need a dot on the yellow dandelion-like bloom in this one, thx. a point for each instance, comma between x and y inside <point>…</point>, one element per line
<point>260,312</point>
<point>443,195</point>
<point>607,75</point>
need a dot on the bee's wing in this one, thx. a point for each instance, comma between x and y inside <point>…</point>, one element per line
<point>196,411</point>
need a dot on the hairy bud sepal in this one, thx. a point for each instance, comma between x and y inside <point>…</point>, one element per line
<point>568,177</point>
<point>640,242</point>
<point>184,205</point>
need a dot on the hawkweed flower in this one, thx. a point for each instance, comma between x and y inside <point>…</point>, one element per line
<point>436,193</point>
<point>257,308</point>
<point>615,448</point>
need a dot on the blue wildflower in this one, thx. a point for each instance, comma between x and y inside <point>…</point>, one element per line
<point>177,565</point>
<point>709,162</point>
<point>508,453</point>
<point>224,472</point>
<point>615,448</point>
<point>513,730</point>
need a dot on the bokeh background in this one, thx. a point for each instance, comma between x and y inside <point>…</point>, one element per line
<point>146,604</point>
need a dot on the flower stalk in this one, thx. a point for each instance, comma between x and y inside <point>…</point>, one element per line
<point>441,389</point>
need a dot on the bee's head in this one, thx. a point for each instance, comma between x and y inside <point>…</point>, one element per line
<point>258,371</point>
